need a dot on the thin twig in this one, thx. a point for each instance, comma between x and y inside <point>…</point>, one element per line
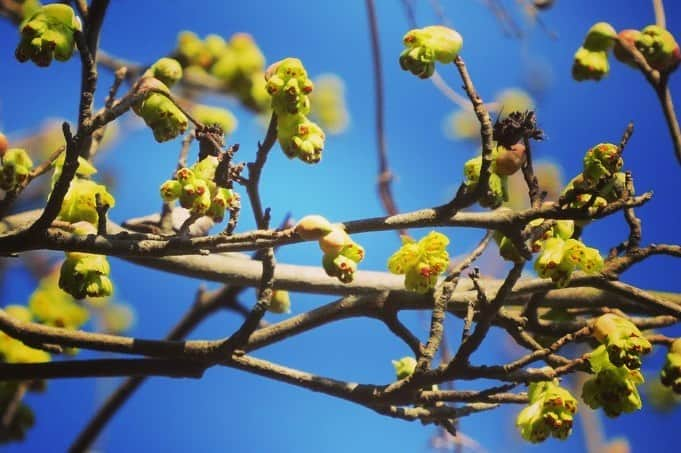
<point>385,176</point>
<point>255,170</point>
<point>660,19</point>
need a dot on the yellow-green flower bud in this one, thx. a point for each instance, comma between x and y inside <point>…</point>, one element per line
<point>427,45</point>
<point>300,138</point>
<point>280,302</point>
<point>590,65</point>
<point>205,168</point>
<point>167,70</point>
<point>171,190</point>
<point>333,242</point>
<point>406,257</point>
<point>471,170</point>
<point>85,168</point>
<point>201,196</point>
<point>623,341</point>
<point>48,34</point>
<point>288,84</point>
<point>313,227</point>
<point>192,51</point>
<point>85,275</point>
<point>550,257</point>
<point>164,118</point>
<point>185,176</point>
<point>421,262</point>
<point>600,37</point>
<point>659,48</point>
<point>215,45</point>
<point>550,412</point>
<point>224,198</point>
<point>248,55</point>
<point>404,367</point>
<point>601,161</point>
<point>16,166</point>
<point>226,66</point>
<point>80,201</point>
<point>339,266</point>
<point>613,388</point>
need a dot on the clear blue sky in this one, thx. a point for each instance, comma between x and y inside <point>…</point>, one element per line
<point>231,411</point>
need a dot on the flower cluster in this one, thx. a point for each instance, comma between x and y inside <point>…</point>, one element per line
<point>158,111</point>
<point>289,86</point>
<point>48,34</point>
<point>560,254</point>
<point>550,412</point>
<point>600,162</point>
<point>425,46</point>
<point>80,201</point>
<point>15,166</point>
<point>601,178</point>
<point>197,191</point>
<point>614,387</point>
<point>238,63</point>
<point>623,341</point>
<point>421,262</point>
<point>85,275</point>
<point>341,253</point>
<point>657,46</point>
<point>671,372</point>
<point>591,60</point>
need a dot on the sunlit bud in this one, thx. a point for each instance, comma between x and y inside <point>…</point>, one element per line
<point>404,367</point>
<point>313,227</point>
<point>280,302</point>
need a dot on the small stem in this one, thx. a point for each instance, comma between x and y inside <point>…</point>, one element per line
<point>665,97</point>
<point>660,19</point>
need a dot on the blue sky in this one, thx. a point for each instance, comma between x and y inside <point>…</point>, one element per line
<point>230,410</point>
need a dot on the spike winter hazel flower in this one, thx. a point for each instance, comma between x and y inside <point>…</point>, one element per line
<point>48,34</point>
<point>623,341</point>
<point>421,262</point>
<point>550,412</point>
<point>425,46</point>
